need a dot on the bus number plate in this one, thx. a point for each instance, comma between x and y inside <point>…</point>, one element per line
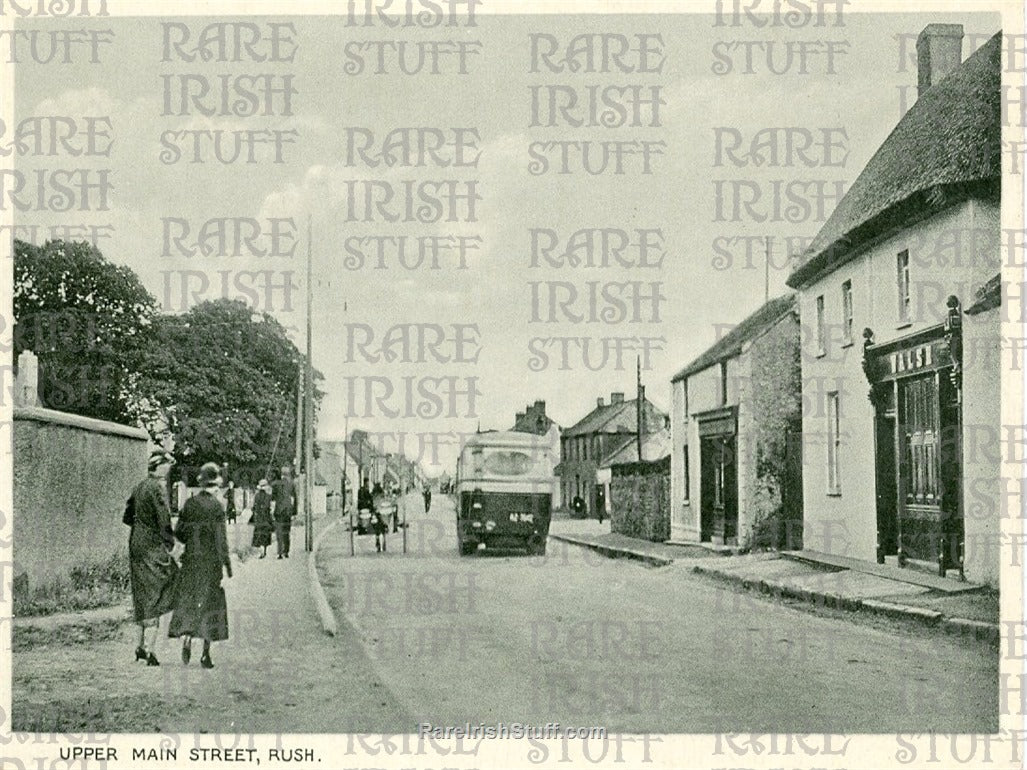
<point>528,517</point>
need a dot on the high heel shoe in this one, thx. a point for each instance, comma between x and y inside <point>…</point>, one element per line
<point>151,660</point>
<point>205,660</point>
<point>140,653</point>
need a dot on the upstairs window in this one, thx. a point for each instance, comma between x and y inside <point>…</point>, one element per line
<point>847,312</point>
<point>902,284</point>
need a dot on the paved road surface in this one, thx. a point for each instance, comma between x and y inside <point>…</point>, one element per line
<point>579,639</point>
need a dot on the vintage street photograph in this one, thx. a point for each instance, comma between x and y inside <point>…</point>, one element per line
<point>428,383</point>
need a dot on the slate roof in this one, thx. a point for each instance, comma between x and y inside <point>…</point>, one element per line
<point>655,446</point>
<point>946,148</point>
<point>617,418</point>
<point>528,423</point>
<point>731,344</point>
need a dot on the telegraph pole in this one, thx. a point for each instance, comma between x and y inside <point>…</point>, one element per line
<point>308,413</point>
<point>297,464</point>
<point>639,405</point>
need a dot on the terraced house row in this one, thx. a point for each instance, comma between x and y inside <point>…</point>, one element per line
<point>859,415</point>
<point>882,440</point>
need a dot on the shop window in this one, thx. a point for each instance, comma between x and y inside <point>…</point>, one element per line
<point>834,486</point>
<point>847,312</point>
<point>821,327</point>
<point>902,284</point>
<point>920,423</point>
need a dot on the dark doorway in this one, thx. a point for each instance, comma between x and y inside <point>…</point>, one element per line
<point>887,492</point>
<point>718,519</point>
<point>707,462</point>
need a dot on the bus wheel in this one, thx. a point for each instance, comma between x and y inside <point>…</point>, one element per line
<point>466,549</point>
<point>537,545</point>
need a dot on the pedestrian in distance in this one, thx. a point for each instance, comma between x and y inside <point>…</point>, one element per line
<point>365,502</point>
<point>200,606</point>
<point>427,499</point>
<point>152,570</point>
<point>262,521</point>
<point>283,509</point>
<point>230,513</point>
<point>377,519</point>
<point>578,507</point>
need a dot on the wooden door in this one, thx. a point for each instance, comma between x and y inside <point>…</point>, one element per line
<point>919,472</point>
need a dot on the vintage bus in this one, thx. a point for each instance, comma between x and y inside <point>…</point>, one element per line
<point>504,486</point>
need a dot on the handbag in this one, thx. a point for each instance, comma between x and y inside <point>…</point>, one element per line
<point>129,516</point>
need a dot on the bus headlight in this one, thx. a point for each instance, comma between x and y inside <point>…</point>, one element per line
<point>489,526</point>
<point>476,524</point>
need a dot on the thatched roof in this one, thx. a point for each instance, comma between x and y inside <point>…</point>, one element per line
<point>946,148</point>
<point>988,297</point>
<point>731,344</point>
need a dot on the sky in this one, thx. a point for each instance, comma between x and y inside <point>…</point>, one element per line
<point>494,306</point>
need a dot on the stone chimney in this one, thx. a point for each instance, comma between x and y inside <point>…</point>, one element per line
<point>616,398</point>
<point>540,406</point>
<point>599,402</point>
<point>26,384</point>
<point>519,416</point>
<point>939,50</point>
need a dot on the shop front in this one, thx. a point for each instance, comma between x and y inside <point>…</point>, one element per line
<point>915,389</point>
<point>718,452</point>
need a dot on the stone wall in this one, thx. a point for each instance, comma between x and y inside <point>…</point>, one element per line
<point>772,444</point>
<point>641,500</point>
<point>72,476</point>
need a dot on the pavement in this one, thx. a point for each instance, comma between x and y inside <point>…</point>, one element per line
<point>957,608</point>
<point>278,670</point>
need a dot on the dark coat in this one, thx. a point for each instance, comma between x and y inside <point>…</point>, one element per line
<point>262,524</point>
<point>200,606</point>
<point>152,570</point>
<point>365,500</point>
<point>283,493</point>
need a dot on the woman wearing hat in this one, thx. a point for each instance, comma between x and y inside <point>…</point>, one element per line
<point>151,568</point>
<point>200,606</point>
<point>262,523</point>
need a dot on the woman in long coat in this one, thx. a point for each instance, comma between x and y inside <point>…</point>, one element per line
<point>200,606</point>
<point>230,513</point>
<point>262,523</point>
<point>151,568</point>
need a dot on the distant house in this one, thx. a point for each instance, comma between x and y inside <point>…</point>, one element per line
<point>655,446</point>
<point>900,291</point>
<point>535,420</point>
<point>735,428</point>
<point>586,444</point>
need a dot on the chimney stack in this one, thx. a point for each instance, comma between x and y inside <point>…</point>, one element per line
<point>616,398</point>
<point>599,402</point>
<point>519,416</point>
<point>540,406</point>
<point>939,50</point>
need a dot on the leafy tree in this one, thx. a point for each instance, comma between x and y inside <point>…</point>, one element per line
<point>88,320</point>
<point>222,380</point>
